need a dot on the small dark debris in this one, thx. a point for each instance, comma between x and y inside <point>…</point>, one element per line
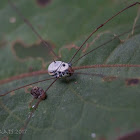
<point>131,82</point>
<point>43,3</point>
<point>131,136</point>
<point>38,93</point>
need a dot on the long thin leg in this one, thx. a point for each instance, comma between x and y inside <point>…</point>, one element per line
<point>108,66</point>
<point>103,44</point>
<point>31,113</point>
<point>101,27</point>
<point>26,86</point>
<point>32,28</point>
<point>103,76</point>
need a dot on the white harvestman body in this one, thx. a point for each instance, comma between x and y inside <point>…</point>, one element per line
<point>60,69</point>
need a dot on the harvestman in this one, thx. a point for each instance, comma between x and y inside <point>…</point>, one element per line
<point>60,69</point>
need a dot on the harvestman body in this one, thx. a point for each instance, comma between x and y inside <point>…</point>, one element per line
<point>60,69</point>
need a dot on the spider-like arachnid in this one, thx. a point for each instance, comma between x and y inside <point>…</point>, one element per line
<point>61,70</point>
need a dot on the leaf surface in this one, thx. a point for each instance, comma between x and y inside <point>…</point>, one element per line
<point>82,106</point>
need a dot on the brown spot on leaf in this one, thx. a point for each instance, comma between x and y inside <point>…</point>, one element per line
<point>2,43</point>
<point>43,3</point>
<point>28,89</point>
<point>12,19</point>
<point>109,78</point>
<point>31,69</point>
<point>131,136</point>
<point>132,82</point>
<point>69,47</point>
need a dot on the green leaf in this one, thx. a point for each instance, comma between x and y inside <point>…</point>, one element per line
<point>82,106</point>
